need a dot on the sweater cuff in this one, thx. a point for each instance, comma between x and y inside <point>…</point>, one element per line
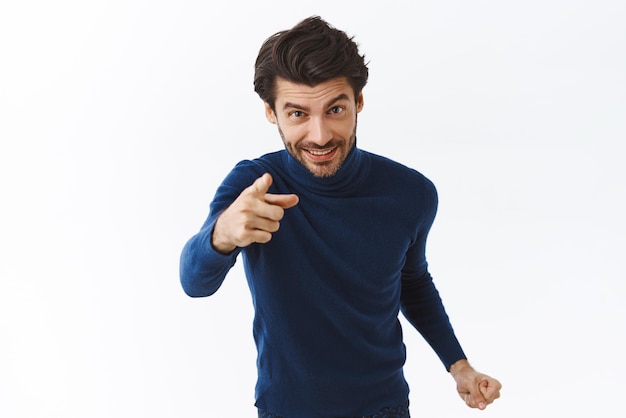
<point>202,267</point>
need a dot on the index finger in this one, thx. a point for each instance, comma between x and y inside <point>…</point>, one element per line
<point>285,201</point>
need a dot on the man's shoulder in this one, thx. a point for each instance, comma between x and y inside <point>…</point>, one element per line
<point>396,169</point>
<point>260,164</point>
<point>246,171</point>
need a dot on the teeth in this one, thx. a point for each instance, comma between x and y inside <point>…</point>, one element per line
<point>323,152</point>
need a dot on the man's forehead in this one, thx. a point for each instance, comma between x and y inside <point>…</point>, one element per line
<point>287,91</point>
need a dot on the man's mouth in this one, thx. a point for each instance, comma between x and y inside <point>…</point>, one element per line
<point>320,152</point>
<point>321,155</point>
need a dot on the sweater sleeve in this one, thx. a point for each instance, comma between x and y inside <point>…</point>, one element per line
<point>420,300</point>
<point>202,268</point>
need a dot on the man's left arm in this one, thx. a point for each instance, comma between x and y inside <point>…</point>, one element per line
<point>419,299</point>
<point>421,304</point>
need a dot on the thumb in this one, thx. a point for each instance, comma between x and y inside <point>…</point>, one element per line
<point>480,397</point>
<point>261,185</point>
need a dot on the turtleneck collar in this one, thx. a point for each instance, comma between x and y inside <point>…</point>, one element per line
<point>353,170</point>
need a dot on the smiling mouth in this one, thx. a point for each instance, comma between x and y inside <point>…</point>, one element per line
<point>320,153</point>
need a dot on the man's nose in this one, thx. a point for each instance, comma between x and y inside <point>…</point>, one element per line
<point>319,132</point>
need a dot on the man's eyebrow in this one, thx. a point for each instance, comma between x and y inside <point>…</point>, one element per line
<point>290,105</point>
<point>342,96</point>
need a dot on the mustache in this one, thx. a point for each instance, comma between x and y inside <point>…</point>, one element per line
<point>313,146</point>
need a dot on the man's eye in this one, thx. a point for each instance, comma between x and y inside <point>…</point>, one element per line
<point>296,114</point>
<point>336,109</point>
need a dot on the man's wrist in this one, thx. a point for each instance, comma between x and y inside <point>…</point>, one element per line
<point>458,366</point>
<point>220,245</point>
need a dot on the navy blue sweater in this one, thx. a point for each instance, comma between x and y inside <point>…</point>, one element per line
<point>328,287</point>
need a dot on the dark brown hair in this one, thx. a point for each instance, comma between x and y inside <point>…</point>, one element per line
<point>309,53</point>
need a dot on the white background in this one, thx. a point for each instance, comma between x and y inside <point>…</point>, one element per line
<point>119,119</point>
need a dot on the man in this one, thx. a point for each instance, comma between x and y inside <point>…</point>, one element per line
<point>333,244</point>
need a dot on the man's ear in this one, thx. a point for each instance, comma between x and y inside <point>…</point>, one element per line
<point>269,113</point>
<point>359,102</point>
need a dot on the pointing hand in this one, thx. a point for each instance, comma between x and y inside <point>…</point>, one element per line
<point>253,217</point>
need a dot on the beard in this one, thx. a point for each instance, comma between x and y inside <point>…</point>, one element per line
<point>321,169</point>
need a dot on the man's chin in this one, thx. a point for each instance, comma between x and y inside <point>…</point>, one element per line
<point>319,169</point>
<point>323,170</point>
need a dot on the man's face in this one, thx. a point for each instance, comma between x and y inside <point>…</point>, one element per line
<point>317,124</point>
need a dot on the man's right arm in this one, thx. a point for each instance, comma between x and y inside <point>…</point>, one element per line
<point>251,218</point>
